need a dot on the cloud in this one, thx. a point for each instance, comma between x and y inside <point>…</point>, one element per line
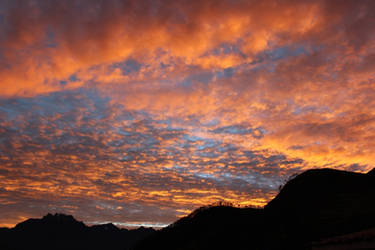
<point>239,130</point>
<point>160,107</point>
<point>74,151</point>
<point>49,41</point>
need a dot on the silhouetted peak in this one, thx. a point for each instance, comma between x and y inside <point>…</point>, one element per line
<point>59,217</point>
<point>141,228</point>
<point>315,185</point>
<point>216,214</point>
<point>318,177</point>
<point>61,231</point>
<point>313,205</point>
<point>144,229</point>
<point>372,172</point>
<point>216,208</point>
<point>55,221</point>
<point>109,227</point>
<point>323,172</point>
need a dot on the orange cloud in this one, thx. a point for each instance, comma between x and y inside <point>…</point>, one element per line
<point>160,107</point>
<point>48,42</point>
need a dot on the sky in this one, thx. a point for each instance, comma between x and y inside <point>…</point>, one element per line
<point>138,112</point>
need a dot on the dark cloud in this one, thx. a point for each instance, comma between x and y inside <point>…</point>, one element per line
<point>240,130</point>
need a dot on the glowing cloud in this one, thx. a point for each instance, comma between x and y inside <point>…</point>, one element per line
<point>137,112</point>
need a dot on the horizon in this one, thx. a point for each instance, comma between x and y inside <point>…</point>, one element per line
<point>157,226</point>
<point>129,225</point>
<point>139,112</point>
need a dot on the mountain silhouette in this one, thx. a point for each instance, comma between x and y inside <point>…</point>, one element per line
<point>324,203</point>
<point>60,231</point>
<point>317,209</point>
<point>313,208</point>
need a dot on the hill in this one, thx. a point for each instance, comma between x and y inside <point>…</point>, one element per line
<point>318,209</point>
<point>315,205</point>
<point>60,231</point>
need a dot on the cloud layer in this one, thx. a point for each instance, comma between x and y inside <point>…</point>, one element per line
<point>139,111</point>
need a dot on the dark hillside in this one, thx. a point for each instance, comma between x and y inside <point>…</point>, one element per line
<point>316,204</point>
<point>211,228</point>
<point>60,231</point>
<point>317,209</point>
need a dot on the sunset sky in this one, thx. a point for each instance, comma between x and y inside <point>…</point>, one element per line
<point>137,112</point>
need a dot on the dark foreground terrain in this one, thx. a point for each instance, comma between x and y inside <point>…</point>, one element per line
<point>311,211</point>
<point>318,209</point>
<point>59,231</point>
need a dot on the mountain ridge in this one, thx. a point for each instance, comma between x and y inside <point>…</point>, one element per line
<point>314,205</point>
<point>316,209</point>
<point>61,231</point>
